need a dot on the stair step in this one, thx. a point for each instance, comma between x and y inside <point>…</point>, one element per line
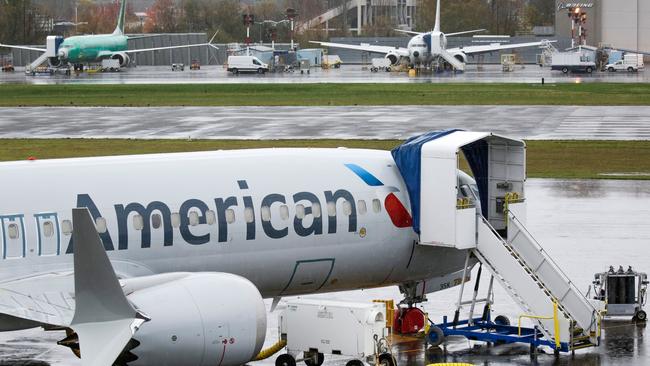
<point>582,346</point>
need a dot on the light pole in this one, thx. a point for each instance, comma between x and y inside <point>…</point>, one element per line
<point>291,15</point>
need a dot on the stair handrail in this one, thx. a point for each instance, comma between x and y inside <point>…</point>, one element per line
<point>594,316</point>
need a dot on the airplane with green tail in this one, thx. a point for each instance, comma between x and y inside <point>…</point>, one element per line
<point>79,50</point>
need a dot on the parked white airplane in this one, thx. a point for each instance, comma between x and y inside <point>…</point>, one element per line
<point>197,240</point>
<point>425,48</point>
<point>165,259</point>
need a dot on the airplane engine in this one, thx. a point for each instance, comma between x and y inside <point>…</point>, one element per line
<point>54,62</point>
<point>460,56</point>
<point>393,57</point>
<point>203,319</point>
<point>123,58</point>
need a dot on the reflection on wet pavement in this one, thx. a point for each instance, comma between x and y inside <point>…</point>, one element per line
<point>585,225</point>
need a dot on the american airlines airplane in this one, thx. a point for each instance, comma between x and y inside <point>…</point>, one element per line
<point>425,48</point>
<point>165,259</point>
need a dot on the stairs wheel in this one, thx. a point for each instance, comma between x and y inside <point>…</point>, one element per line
<point>435,337</point>
<point>285,360</point>
<point>501,320</point>
<point>641,316</point>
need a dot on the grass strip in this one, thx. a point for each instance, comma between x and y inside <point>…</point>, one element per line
<point>546,159</point>
<point>14,95</point>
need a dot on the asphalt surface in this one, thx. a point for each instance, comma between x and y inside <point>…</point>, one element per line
<point>389,122</point>
<point>585,226</point>
<point>346,74</point>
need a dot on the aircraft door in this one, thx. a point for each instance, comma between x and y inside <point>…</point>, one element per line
<point>309,276</point>
<point>13,236</point>
<point>49,234</point>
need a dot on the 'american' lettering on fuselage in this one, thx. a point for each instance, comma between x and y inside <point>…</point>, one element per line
<point>221,206</point>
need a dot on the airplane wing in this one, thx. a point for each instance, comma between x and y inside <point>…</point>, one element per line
<point>23,47</point>
<point>470,50</point>
<point>465,32</point>
<point>413,33</point>
<point>402,51</point>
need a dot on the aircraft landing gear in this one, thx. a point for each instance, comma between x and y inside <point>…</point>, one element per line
<point>408,318</point>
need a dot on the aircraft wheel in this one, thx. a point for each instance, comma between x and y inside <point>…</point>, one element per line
<point>641,316</point>
<point>386,359</point>
<point>436,336</point>
<point>285,360</point>
<point>314,359</point>
<point>501,320</point>
<point>354,363</point>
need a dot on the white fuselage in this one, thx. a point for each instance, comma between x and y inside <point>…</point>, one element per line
<point>292,221</point>
<point>423,48</point>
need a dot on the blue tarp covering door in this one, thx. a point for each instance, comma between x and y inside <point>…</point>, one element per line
<point>408,160</point>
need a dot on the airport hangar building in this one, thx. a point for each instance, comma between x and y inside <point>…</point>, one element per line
<point>623,24</point>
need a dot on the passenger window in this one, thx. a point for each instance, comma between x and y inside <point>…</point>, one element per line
<point>138,222</point>
<point>266,213</point>
<point>210,217</point>
<point>230,215</point>
<point>66,227</point>
<point>176,220</point>
<point>194,218</point>
<point>284,212</point>
<point>156,221</point>
<point>376,205</point>
<point>347,208</point>
<point>249,215</point>
<point>100,223</point>
<point>361,207</point>
<point>48,229</point>
<point>331,209</point>
<point>300,211</point>
<point>315,209</point>
<point>12,231</point>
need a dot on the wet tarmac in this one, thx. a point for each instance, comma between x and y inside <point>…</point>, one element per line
<point>346,74</point>
<point>348,122</point>
<point>585,225</point>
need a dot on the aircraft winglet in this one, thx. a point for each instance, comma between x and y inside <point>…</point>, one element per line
<point>104,319</point>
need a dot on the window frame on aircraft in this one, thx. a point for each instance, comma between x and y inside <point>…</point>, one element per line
<point>210,217</point>
<point>331,209</point>
<point>176,220</point>
<point>66,227</point>
<point>101,225</point>
<point>376,205</point>
<point>193,218</point>
<point>48,228</point>
<point>284,212</point>
<point>362,208</point>
<point>266,213</point>
<point>230,216</point>
<point>300,211</point>
<point>249,215</point>
<point>138,222</point>
<point>13,231</point>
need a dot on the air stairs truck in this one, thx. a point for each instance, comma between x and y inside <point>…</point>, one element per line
<point>493,229</point>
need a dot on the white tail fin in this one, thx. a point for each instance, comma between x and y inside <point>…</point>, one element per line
<point>121,18</point>
<point>436,28</point>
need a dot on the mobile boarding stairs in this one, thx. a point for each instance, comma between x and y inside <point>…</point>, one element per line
<point>493,230</point>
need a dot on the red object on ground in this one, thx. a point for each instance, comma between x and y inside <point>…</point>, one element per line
<point>31,158</point>
<point>408,320</point>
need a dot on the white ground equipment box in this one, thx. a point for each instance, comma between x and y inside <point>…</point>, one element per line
<point>333,327</point>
